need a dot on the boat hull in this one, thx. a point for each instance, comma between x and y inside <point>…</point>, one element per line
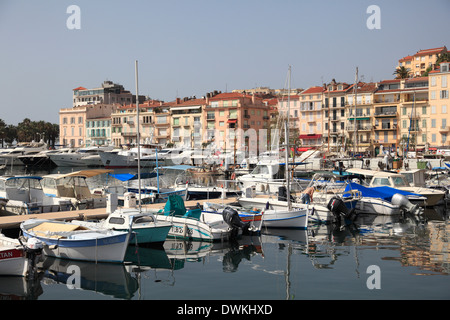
<point>13,262</point>
<point>376,206</point>
<point>87,246</point>
<point>188,229</point>
<point>296,218</point>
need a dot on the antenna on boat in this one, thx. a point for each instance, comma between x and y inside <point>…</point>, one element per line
<point>138,138</point>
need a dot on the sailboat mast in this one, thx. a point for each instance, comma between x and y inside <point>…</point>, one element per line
<point>355,148</point>
<point>286,134</point>
<point>138,136</point>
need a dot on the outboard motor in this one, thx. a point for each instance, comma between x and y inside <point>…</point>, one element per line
<point>231,217</point>
<point>405,204</point>
<point>33,249</point>
<point>340,210</point>
<point>282,194</point>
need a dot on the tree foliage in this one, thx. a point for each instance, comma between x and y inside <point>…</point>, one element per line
<point>27,131</point>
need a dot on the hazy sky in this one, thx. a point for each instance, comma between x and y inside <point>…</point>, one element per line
<point>191,47</point>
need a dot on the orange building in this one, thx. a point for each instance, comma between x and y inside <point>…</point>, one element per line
<point>236,120</point>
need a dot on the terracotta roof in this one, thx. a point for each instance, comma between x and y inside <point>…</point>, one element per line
<point>316,89</point>
<point>430,51</point>
<point>232,95</point>
<point>407,58</point>
<point>79,88</point>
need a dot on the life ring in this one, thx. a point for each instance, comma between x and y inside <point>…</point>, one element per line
<point>233,176</point>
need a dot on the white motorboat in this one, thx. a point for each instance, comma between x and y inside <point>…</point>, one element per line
<point>143,225</point>
<point>17,258</point>
<point>71,241</point>
<point>116,159</point>
<point>195,225</point>
<point>25,195</point>
<point>73,186</point>
<point>79,157</point>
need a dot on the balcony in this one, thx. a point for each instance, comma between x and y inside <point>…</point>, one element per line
<point>385,114</point>
<point>444,129</point>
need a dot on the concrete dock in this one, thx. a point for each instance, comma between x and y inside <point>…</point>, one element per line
<point>14,221</point>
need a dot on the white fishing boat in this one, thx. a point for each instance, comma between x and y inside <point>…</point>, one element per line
<point>25,195</point>
<point>71,241</point>
<point>16,258</point>
<point>143,224</point>
<point>73,186</point>
<point>252,217</point>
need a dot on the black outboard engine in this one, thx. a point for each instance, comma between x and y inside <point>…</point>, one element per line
<point>340,210</point>
<point>231,217</point>
<point>282,194</point>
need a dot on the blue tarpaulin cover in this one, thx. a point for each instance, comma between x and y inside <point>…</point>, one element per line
<point>130,176</point>
<point>384,193</point>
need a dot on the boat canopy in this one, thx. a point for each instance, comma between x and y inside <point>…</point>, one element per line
<point>85,173</point>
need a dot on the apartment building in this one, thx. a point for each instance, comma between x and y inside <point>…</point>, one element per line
<point>421,61</point>
<point>107,93</point>
<point>233,114</point>
<point>186,123</point>
<point>334,117</point>
<point>438,96</point>
<point>360,117</point>
<point>153,117</point>
<point>311,116</point>
<point>74,121</point>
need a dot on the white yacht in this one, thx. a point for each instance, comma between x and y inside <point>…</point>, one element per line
<point>74,157</point>
<point>11,156</point>
<point>123,158</point>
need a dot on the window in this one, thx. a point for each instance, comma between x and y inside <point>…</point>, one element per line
<point>424,110</point>
<point>444,94</point>
<point>433,123</point>
<point>444,109</point>
<point>433,81</point>
<point>176,121</point>
<point>64,120</point>
<point>433,137</point>
<point>444,81</point>
<point>433,109</point>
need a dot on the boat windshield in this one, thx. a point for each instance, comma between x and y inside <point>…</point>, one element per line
<point>261,170</point>
<point>23,183</point>
<point>400,181</point>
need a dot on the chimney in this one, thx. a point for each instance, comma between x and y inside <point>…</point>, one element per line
<point>177,101</point>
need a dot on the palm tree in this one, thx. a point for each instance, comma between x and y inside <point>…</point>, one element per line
<point>402,72</point>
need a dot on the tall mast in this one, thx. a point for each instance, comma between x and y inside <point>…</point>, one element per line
<point>355,149</point>
<point>286,134</point>
<point>138,136</point>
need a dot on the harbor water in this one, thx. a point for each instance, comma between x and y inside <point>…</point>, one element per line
<point>375,257</point>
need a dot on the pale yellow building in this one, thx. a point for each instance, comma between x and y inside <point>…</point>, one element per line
<point>73,122</point>
<point>423,59</point>
<point>311,117</point>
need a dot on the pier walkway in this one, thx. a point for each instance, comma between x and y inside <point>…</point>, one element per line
<point>14,221</point>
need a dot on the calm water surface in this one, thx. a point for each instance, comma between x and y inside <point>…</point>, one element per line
<point>402,257</point>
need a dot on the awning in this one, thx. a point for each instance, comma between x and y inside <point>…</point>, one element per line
<point>366,118</point>
<point>130,176</point>
<point>232,120</point>
<point>303,149</point>
<point>310,136</point>
<point>86,173</point>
